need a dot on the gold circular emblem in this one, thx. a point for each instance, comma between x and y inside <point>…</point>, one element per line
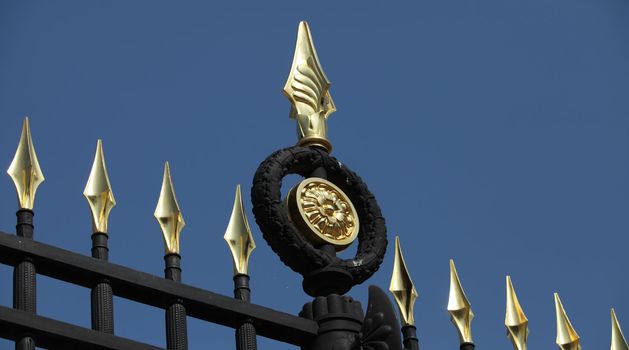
<point>323,213</point>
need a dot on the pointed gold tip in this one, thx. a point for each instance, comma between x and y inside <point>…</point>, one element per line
<point>25,170</point>
<point>618,339</point>
<point>98,191</point>
<point>238,236</point>
<point>402,286</point>
<point>459,307</point>
<point>168,214</point>
<point>516,322</point>
<point>567,337</point>
<point>308,90</point>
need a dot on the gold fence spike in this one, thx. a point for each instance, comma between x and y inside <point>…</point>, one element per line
<point>515,320</point>
<point>567,337</point>
<point>402,287</point>
<point>168,214</point>
<point>618,339</point>
<point>308,90</point>
<point>98,191</point>
<point>459,307</point>
<point>25,170</point>
<point>238,236</point>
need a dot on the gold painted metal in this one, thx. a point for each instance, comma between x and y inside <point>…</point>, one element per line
<point>308,90</point>
<point>25,170</point>
<point>515,320</point>
<point>168,214</point>
<point>402,287</point>
<point>238,236</point>
<point>618,339</point>
<point>567,337</point>
<point>98,191</point>
<point>323,213</point>
<point>459,307</point>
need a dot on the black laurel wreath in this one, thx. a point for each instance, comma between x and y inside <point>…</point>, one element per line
<point>279,231</point>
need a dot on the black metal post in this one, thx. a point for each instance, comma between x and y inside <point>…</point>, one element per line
<point>102,293</point>
<point>467,346</point>
<point>176,328</point>
<point>24,284</point>
<point>246,332</point>
<point>409,337</point>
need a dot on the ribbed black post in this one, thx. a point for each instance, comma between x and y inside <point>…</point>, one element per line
<point>102,294</point>
<point>409,337</point>
<point>467,346</point>
<point>24,284</point>
<point>246,332</point>
<point>176,328</point>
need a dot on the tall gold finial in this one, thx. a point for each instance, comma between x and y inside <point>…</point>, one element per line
<point>238,236</point>
<point>567,337</point>
<point>169,215</point>
<point>25,170</point>
<point>402,287</point>
<point>308,90</point>
<point>98,191</point>
<point>459,307</point>
<point>618,339</point>
<point>515,320</point>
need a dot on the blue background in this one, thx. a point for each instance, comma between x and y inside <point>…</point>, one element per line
<point>494,132</point>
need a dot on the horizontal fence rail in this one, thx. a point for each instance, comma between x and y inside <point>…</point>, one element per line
<point>151,290</point>
<point>54,334</point>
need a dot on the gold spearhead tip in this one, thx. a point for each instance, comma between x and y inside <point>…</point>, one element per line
<point>238,236</point>
<point>98,191</point>
<point>618,339</point>
<point>168,214</point>
<point>402,286</point>
<point>25,170</point>
<point>459,307</point>
<point>516,322</point>
<point>567,337</point>
<point>308,90</point>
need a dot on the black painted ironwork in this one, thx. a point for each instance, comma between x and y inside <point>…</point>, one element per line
<point>246,332</point>
<point>176,325</point>
<point>24,278</point>
<point>102,295</point>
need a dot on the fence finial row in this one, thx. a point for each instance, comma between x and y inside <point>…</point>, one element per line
<point>459,307</point>
<point>25,170</point>
<point>515,320</point>
<point>402,287</point>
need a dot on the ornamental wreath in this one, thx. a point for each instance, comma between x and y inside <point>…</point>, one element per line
<point>282,235</point>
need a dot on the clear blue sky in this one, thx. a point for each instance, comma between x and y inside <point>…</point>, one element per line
<point>494,132</point>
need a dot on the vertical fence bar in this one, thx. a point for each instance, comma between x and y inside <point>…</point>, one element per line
<point>24,284</point>
<point>409,337</point>
<point>246,332</point>
<point>102,294</point>
<point>176,327</point>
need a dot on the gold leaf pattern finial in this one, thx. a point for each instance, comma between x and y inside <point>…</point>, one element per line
<point>238,236</point>
<point>515,320</point>
<point>25,170</point>
<point>567,337</point>
<point>459,307</point>
<point>98,191</point>
<point>168,214</point>
<point>308,90</point>
<point>402,286</point>
<point>618,339</point>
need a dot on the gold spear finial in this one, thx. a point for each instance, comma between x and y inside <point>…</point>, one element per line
<point>238,236</point>
<point>515,320</point>
<point>402,287</point>
<point>98,191</point>
<point>168,214</point>
<point>567,337</point>
<point>25,170</point>
<point>308,90</point>
<point>459,307</point>
<point>618,339</point>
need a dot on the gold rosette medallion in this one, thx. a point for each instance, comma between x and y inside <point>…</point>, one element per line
<point>323,213</point>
